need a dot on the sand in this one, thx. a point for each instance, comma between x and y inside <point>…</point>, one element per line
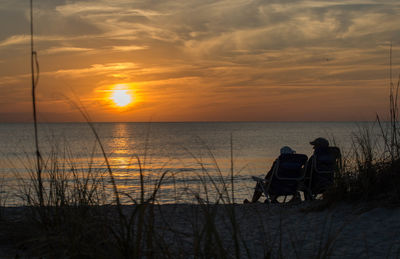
<point>343,231</point>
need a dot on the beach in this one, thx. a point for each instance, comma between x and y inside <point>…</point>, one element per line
<point>261,231</point>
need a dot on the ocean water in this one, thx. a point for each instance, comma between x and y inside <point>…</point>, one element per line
<point>197,157</point>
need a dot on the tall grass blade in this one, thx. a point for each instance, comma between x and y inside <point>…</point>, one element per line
<point>34,82</point>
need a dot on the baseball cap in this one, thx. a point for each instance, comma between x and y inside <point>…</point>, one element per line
<point>320,142</point>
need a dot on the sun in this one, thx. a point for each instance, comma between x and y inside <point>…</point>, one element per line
<point>121,98</point>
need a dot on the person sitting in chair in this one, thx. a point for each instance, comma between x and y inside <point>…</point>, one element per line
<point>320,168</point>
<point>258,190</point>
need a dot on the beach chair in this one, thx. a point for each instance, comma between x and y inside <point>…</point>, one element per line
<point>321,171</point>
<point>287,173</point>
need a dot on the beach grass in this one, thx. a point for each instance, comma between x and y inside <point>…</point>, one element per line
<point>372,172</point>
<point>3,196</point>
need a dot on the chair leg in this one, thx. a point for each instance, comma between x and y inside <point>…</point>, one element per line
<point>296,197</point>
<point>308,196</point>
<point>256,196</point>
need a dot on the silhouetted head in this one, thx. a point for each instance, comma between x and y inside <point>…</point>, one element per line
<point>320,143</point>
<point>287,150</point>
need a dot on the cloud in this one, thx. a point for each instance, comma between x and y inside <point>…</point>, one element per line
<point>86,7</point>
<point>25,40</point>
<point>11,80</point>
<point>93,69</point>
<point>15,39</point>
<point>129,48</point>
<point>54,50</point>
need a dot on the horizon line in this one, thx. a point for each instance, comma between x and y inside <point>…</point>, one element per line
<point>200,121</point>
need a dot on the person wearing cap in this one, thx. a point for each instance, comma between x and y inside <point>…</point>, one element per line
<point>258,189</point>
<point>320,145</point>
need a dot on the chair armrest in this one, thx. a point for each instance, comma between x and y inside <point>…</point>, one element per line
<point>257,179</point>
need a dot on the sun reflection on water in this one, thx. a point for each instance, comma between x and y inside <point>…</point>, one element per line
<point>120,140</point>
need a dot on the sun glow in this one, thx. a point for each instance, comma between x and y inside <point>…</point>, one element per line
<point>121,98</point>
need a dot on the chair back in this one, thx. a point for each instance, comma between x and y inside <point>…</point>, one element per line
<point>287,173</point>
<point>323,165</point>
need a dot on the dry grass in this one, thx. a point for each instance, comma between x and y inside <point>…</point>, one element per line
<point>373,173</point>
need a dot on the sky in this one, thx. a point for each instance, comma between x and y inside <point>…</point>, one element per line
<point>191,60</point>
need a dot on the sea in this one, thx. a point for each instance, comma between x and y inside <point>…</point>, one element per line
<point>186,162</point>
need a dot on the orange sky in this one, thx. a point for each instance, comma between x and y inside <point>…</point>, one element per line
<point>189,60</point>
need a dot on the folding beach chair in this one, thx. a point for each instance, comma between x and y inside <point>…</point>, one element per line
<point>287,173</point>
<point>321,171</point>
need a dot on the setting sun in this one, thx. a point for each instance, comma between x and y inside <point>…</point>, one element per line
<point>121,98</point>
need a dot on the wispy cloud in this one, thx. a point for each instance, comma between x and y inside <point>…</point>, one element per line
<point>86,7</point>
<point>13,40</point>
<point>129,48</point>
<point>66,49</point>
<point>94,69</point>
<point>25,39</point>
